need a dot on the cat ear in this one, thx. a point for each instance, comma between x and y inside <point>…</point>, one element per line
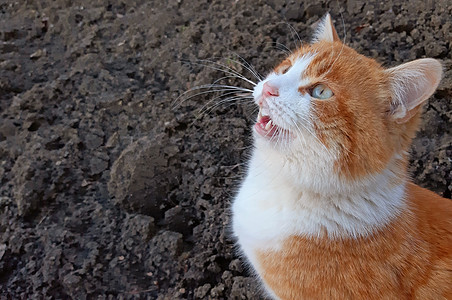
<point>325,30</point>
<point>412,83</point>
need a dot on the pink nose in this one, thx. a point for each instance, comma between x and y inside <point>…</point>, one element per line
<point>269,91</point>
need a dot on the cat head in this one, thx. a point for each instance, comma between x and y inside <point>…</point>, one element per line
<point>328,101</point>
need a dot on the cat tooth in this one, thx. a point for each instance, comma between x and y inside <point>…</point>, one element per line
<point>269,124</point>
<point>259,115</point>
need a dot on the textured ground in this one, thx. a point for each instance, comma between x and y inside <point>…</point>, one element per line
<point>106,189</point>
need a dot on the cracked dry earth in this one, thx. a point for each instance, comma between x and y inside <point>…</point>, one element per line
<point>112,189</point>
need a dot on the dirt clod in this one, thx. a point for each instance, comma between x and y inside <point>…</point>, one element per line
<point>140,179</point>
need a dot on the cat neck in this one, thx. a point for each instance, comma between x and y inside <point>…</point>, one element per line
<point>282,197</point>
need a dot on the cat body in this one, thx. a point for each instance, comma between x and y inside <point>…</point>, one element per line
<point>327,210</point>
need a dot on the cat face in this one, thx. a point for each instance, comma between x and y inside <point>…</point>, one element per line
<point>326,98</point>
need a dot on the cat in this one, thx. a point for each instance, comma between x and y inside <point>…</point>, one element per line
<point>327,210</point>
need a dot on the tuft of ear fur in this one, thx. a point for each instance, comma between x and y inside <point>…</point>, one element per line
<point>412,83</point>
<point>325,30</point>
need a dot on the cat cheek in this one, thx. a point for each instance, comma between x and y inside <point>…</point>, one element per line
<point>325,111</point>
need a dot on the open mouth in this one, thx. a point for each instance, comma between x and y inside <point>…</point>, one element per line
<point>266,127</point>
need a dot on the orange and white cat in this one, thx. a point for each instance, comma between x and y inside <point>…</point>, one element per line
<point>327,210</point>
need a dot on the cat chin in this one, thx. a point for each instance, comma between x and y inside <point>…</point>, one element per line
<point>297,148</point>
<point>274,135</point>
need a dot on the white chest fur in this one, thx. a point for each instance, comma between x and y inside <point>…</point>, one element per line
<point>271,206</point>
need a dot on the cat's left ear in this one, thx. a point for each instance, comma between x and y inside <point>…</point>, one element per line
<point>325,30</point>
<point>411,84</point>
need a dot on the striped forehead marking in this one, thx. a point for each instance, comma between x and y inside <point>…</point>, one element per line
<point>296,73</point>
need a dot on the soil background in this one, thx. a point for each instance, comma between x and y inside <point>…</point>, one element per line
<point>112,187</point>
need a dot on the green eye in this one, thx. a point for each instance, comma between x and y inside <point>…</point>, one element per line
<point>321,91</point>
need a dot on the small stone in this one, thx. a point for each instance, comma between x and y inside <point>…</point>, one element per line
<point>37,54</point>
<point>98,165</point>
<point>169,242</point>
<point>244,288</point>
<point>202,291</point>
<point>94,141</point>
<point>71,279</point>
<point>235,265</point>
<point>217,291</point>
<point>2,250</point>
<point>113,140</point>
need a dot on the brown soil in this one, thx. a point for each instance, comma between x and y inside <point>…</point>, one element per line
<point>107,190</point>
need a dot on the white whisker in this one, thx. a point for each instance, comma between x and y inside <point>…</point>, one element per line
<point>229,99</point>
<point>248,66</point>
<point>292,30</point>
<point>227,70</point>
<point>285,48</point>
<point>218,88</point>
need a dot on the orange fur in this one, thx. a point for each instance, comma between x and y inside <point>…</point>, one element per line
<point>409,259</point>
<point>353,119</point>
